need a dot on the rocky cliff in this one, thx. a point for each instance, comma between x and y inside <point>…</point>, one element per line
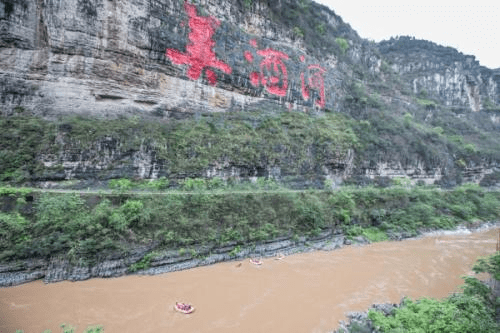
<point>105,57</point>
<point>443,73</point>
<point>178,63</point>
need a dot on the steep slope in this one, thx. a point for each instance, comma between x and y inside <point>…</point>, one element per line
<point>443,73</point>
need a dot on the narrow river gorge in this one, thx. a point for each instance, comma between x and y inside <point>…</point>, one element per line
<point>307,292</point>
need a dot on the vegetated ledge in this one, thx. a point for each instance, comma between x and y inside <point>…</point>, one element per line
<point>150,263</point>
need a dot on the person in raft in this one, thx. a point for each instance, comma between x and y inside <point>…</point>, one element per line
<point>182,306</point>
<point>255,261</point>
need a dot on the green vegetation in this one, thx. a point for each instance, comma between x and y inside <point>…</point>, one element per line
<point>296,143</point>
<point>125,184</point>
<point>430,104</point>
<point>121,184</point>
<point>342,43</point>
<point>439,130</point>
<point>319,35</point>
<point>89,226</point>
<point>71,329</point>
<point>68,328</point>
<point>271,138</point>
<point>384,132</point>
<point>359,98</point>
<point>473,311</point>
<point>384,67</point>
<point>298,32</point>
<point>215,184</point>
<point>372,234</point>
<point>13,191</point>
<point>489,265</point>
<point>407,119</point>
<point>321,29</point>
<point>248,139</point>
<point>490,106</point>
<point>22,137</point>
<point>304,4</point>
<point>234,252</point>
<point>457,314</point>
<point>143,263</point>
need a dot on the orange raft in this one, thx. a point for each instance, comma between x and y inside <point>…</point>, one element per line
<point>184,308</point>
<point>256,261</point>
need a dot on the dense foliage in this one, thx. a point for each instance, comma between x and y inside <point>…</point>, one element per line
<point>311,22</point>
<point>456,314</point>
<point>489,265</point>
<point>90,225</point>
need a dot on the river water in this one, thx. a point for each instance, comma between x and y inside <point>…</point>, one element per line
<point>307,292</point>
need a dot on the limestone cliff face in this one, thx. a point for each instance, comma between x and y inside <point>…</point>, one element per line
<point>169,59</point>
<point>162,59</point>
<point>104,57</point>
<point>443,73</point>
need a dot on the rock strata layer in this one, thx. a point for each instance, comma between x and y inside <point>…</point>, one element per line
<point>60,269</point>
<point>164,261</point>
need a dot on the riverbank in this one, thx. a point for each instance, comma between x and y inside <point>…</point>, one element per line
<point>60,269</point>
<point>70,236</point>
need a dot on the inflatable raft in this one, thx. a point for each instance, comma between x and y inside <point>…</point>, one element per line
<point>255,261</point>
<point>184,308</point>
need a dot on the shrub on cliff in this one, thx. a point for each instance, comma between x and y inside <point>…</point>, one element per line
<point>489,265</point>
<point>342,43</point>
<point>14,235</point>
<point>457,314</point>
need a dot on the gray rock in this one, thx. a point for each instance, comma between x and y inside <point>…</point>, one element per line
<point>59,269</point>
<point>386,308</point>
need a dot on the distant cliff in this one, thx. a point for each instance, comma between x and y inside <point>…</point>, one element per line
<point>455,79</point>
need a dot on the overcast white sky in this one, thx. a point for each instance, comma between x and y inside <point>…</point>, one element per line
<point>471,29</point>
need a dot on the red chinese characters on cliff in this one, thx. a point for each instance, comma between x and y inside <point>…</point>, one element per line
<point>199,52</point>
<point>316,82</point>
<point>200,57</point>
<point>273,75</point>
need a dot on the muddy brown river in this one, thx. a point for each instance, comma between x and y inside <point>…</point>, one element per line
<point>307,292</point>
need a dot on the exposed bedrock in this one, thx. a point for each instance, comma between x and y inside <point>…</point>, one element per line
<point>167,60</point>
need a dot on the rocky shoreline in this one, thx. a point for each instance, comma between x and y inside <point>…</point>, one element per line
<point>60,269</point>
<point>358,322</point>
